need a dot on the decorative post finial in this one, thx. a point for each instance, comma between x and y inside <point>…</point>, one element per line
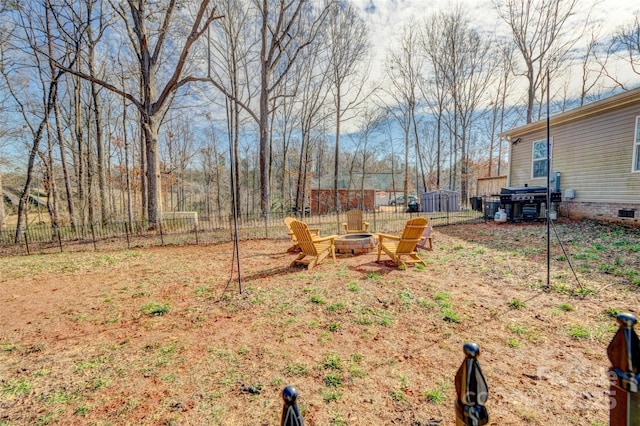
<point>290,413</point>
<point>472,390</point>
<point>624,374</point>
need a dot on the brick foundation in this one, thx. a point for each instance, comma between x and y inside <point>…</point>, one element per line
<point>600,211</point>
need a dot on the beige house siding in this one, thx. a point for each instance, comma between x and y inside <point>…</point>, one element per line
<point>593,152</point>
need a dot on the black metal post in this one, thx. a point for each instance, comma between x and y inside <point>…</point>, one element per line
<point>126,230</point>
<point>290,413</point>
<point>624,374</point>
<point>57,228</point>
<point>472,390</point>
<point>93,237</point>
<point>26,240</point>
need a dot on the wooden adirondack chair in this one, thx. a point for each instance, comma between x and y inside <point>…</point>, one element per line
<point>316,248</point>
<point>402,249</point>
<point>354,224</point>
<point>426,239</point>
<point>315,232</point>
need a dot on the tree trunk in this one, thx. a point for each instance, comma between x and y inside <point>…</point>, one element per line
<point>154,179</point>
<point>336,168</point>
<point>65,171</point>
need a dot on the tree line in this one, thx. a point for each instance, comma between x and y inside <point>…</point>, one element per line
<point>120,110</point>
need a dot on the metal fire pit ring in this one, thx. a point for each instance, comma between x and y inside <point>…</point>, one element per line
<point>355,243</point>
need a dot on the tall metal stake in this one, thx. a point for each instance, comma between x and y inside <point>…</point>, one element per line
<point>548,203</point>
<point>233,196</point>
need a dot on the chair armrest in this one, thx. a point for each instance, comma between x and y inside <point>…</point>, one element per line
<point>346,227</point>
<point>314,231</point>
<point>366,225</point>
<point>390,237</point>
<point>323,239</point>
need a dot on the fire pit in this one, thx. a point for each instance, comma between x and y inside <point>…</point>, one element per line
<point>355,243</point>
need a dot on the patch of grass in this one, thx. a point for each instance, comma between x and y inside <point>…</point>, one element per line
<point>612,312</point>
<point>338,420</point>
<point>142,293</point>
<point>317,299</point>
<point>479,250</point>
<point>332,380</point>
<point>567,307</point>
<point>578,332</point>
<point>383,318</point>
<point>335,307</point>
<point>357,372</point>
<point>442,299</point>
<point>81,410</point>
<point>517,304</point>
<point>584,291</point>
<point>59,396</point>
<point>518,329</point>
<point>7,347</point>
<point>354,287</point>
<point>334,327</point>
<point>332,362</point>
<point>296,369</point>
<point>13,388</point>
<point>405,297</point>
<point>331,395</point>
<point>434,396</point>
<point>449,315</point>
<point>398,395</point>
<point>513,343</point>
<point>372,276</point>
<point>155,308</point>
<point>202,291</point>
<point>419,267</point>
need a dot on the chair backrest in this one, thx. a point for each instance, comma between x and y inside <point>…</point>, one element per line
<point>303,237</point>
<point>354,220</point>
<point>411,235</point>
<point>287,221</point>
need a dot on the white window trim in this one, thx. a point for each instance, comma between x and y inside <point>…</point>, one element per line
<point>636,146</point>
<point>548,156</point>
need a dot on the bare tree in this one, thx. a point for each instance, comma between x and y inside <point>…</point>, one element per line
<point>287,29</point>
<point>540,31</point>
<point>627,41</point>
<point>36,35</point>
<point>434,87</point>
<point>147,26</point>
<point>404,68</point>
<point>469,70</point>
<point>349,45</point>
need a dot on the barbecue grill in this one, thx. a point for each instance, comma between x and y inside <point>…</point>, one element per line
<point>525,203</point>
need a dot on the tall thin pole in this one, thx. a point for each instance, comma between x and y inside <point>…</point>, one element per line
<point>548,184</point>
<point>233,197</point>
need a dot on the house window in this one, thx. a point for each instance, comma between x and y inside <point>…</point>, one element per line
<point>540,159</point>
<point>636,147</point>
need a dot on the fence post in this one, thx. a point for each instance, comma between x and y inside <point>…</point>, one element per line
<point>26,239</point>
<point>624,374</point>
<point>93,237</point>
<point>472,390</point>
<point>290,413</point>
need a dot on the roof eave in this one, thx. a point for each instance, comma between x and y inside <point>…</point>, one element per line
<point>604,105</point>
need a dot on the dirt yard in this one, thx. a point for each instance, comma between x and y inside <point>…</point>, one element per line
<point>162,336</point>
